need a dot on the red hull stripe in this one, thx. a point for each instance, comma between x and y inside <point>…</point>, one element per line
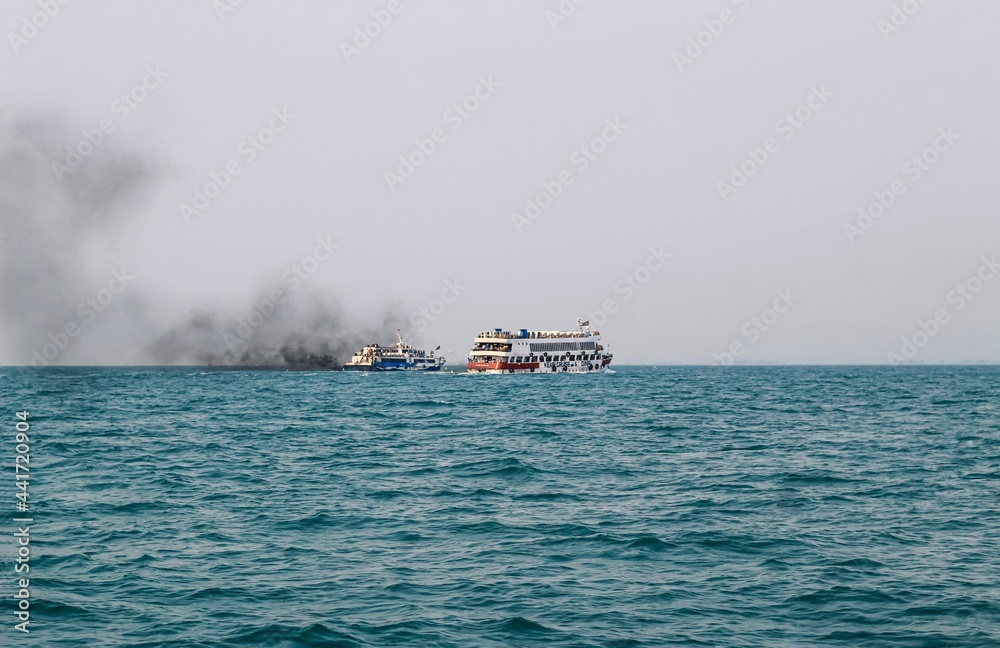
<point>502,365</point>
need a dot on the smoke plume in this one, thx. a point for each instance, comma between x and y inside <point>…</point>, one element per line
<point>52,223</point>
<point>305,332</point>
<point>54,228</point>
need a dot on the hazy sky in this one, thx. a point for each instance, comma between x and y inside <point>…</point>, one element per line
<point>632,120</point>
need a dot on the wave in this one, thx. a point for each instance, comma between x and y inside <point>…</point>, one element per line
<point>280,635</point>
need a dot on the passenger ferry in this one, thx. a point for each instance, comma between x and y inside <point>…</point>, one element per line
<point>525,351</point>
<point>395,357</point>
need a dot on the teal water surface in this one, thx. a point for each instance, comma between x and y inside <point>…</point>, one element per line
<point>702,506</point>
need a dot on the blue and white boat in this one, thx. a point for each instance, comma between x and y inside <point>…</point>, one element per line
<point>395,357</point>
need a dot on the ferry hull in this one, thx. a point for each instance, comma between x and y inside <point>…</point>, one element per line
<point>391,367</point>
<point>536,367</point>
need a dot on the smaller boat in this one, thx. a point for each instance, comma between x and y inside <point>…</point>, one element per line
<point>394,357</point>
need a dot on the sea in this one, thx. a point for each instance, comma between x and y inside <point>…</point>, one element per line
<point>647,506</point>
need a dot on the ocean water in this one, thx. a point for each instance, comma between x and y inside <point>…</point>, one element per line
<point>701,506</point>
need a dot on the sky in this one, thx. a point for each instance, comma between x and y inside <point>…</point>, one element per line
<point>721,182</point>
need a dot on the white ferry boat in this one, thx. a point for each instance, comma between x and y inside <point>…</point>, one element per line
<point>525,351</point>
<point>395,357</point>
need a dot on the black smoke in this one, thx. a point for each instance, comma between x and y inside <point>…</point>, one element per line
<point>52,222</point>
<point>53,227</point>
<point>308,331</point>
